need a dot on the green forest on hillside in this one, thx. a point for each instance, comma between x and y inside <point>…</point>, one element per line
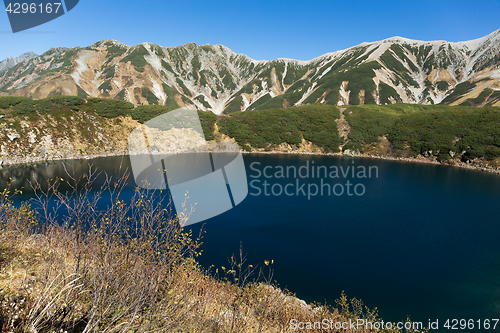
<point>412,129</point>
<point>439,130</point>
<point>273,127</point>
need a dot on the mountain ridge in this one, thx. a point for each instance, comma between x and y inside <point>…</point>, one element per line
<point>215,78</point>
<point>12,61</point>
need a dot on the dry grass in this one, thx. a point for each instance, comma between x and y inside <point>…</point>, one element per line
<point>130,268</point>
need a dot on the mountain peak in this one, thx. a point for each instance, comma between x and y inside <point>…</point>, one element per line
<point>109,42</point>
<point>215,78</point>
<point>11,61</point>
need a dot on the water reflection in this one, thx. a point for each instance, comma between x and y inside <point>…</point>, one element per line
<point>23,176</point>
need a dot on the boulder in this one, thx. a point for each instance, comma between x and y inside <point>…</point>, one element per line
<point>349,152</point>
<point>13,136</point>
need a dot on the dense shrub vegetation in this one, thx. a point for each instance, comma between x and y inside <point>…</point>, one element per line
<point>270,128</point>
<point>143,113</point>
<point>463,131</point>
<point>208,120</point>
<point>8,101</point>
<point>442,131</point>
<point>108,108</point>
<point>103,107</point>
<point>25,105</point>
<point>369,122</point>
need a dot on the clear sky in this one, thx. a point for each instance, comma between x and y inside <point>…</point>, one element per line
<point>261,29</point>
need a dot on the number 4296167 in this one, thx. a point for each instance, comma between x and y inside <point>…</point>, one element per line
<point>463,324</point>
<point>33,8</point>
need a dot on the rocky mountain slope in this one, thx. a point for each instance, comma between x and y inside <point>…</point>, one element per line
<point>214,78</point>
<point>60,129</point>
<point>11,62</point>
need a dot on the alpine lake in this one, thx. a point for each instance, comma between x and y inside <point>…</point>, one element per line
<point>414,240</point>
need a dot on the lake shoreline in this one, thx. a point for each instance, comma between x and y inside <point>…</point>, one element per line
<point>386,158</point>
<point>36,160</point>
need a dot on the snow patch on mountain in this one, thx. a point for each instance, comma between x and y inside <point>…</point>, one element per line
<point>245,101</point>
<point>344,94</point>
<point>158,91</point>
<point>81,66</point>
<point>154,61</point>
<point>381,48</point>
<point>326,71</point>
<point>284,76</point>
<point>117,83</point>
<point>308,93</point>
<point>97,83</point>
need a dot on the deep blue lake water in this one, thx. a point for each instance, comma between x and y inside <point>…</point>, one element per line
<point>422,241</point>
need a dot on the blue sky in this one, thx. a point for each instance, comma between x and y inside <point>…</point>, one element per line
<point>260,29</point>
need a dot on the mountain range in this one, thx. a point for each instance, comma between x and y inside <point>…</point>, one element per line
<point>11,62</point>
<point>214,78</point>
